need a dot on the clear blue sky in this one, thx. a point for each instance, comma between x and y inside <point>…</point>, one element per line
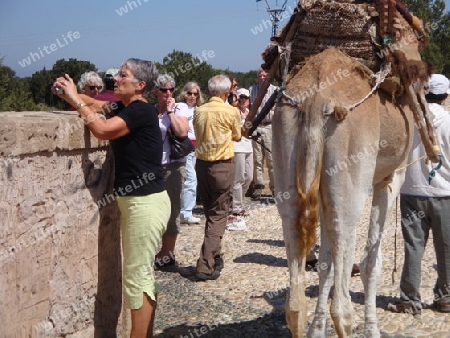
<point>38,30</point>
<point>43,31</point>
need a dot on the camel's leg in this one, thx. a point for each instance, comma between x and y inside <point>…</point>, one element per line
<point>342,206</point>
<point>325,268</point>
<point>296,306</point>
<point>284,146</point>
<point>383,200</point>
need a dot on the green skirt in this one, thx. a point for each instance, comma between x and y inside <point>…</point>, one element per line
<point>143,221</point>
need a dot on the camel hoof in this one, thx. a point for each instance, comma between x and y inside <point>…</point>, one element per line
<point>371,331</point>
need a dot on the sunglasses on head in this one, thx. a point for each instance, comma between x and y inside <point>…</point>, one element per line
<point>191,93</point>
<point>165,90</point>
<point>95,87</point>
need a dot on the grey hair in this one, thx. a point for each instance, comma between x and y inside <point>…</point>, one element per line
<point>188,87</point>
<point>90,77</point>
<point>219,84</point>
<point>164,79</point>
<point>143,71</point>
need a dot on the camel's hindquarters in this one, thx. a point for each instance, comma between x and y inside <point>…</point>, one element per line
<point>327,82</point>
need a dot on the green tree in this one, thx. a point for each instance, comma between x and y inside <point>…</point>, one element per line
<point>42,81</point>
<point>184,67</point>
<point>73,67</point>
<point>6,80</point>
<point>244,80</point>
<point>437,21</point>
<point>14,92</point>
<point>40,84</point>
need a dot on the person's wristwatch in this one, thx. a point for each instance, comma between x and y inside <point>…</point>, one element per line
<point>79,105</point>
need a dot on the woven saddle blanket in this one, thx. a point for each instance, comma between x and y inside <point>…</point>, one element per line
<point>368,31</point>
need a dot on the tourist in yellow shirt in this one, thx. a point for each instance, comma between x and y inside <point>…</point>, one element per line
<point>216,126</point>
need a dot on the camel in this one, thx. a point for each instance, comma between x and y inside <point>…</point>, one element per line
<point>337,138</point>
<point>332,166</point>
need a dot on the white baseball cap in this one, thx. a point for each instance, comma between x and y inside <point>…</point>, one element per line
<point>112,71</point>
<point>439,84</point>
<point>243,91</point>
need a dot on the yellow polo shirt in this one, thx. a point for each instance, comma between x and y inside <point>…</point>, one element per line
<point>216,126</point>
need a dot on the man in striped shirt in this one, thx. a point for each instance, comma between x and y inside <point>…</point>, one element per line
<point>262,146</point>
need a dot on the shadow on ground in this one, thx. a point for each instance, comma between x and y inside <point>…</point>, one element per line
<point>271,242</point>
<point>260,258</point>
<point>269,325</point>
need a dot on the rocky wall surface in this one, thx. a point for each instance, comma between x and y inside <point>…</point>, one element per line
<point>60,260</point>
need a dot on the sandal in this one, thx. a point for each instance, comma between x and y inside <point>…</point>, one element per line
<point>405,308</point>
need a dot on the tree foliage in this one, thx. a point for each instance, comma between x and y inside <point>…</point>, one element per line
<point>42,81</point>
<point>14,93</point>
<point>34,93</point>
<point>184,67</point>
<point>437,23</point>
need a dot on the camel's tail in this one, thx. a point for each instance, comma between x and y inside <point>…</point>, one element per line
<point>309,167</point>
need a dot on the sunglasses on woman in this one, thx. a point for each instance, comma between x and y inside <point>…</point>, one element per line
<point>191,93</point>
<point>95,87</point>
<point>165,90</point>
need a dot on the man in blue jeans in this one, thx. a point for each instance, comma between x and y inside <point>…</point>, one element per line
<point>425,206</point>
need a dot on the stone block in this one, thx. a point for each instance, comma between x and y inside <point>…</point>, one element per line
<point>60,260</point>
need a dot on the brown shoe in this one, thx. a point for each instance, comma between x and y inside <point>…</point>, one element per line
<point>442,306</point>
<point>203,277</point>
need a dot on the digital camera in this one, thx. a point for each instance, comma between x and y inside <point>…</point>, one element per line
<point>57,90</point>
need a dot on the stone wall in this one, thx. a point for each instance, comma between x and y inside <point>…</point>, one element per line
<point>60,261</point>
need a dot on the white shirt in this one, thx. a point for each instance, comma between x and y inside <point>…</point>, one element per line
<point>190,116</point>
<point>181,109</point>
<point>254,90</point>
<point>245,144</point>
<point>416,179</point>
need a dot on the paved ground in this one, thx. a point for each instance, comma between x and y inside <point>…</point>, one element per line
<point>248,298</point>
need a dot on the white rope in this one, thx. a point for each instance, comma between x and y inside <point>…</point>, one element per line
<point>379,78</point>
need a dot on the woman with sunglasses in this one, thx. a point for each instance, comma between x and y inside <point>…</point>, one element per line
<point>138,185</point>
<point>90,84</point>
<point>192,96</point>
<point>232,98</point>
<point>174,117</point>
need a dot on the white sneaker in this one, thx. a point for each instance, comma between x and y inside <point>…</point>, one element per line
<point>190,220</point>
<point>235,224</point>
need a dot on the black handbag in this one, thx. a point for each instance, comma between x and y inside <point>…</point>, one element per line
<point>179,146</point>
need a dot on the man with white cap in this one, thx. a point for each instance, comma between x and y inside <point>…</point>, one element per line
<point>425,206</point>
<point>108,94</point>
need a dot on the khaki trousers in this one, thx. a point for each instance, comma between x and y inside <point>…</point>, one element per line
<point>263,149</point>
